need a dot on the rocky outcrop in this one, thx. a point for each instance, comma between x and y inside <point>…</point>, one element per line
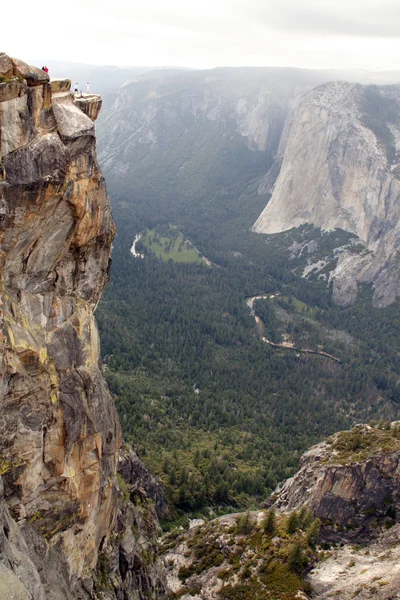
<point>89,104</point>
<point>141,482</point>
<point>351,482</point>
<point>350,571</point>
<point>60,437</point>
<point>32,75</point>
<point>340,170</point>
<point>131,567</point>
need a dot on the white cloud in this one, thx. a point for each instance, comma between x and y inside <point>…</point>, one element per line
<point>302,33</point>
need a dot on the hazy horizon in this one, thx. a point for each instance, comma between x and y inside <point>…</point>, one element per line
<point>146,68</point>
<point>361,35</point>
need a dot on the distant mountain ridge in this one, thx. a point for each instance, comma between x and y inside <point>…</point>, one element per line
<point>198,132</point>
<point>103,79</point>
<point>341,169</point>
<point>190,137</point>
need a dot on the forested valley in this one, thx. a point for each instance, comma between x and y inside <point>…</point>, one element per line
<point>217,414</point>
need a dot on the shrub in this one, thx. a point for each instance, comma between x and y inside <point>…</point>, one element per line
<point>245,524</point>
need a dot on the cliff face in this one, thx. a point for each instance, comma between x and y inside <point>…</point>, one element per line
<point>59,433</point>
<point>185,131</point>
<point>351,482</point>
<point>340,170</point>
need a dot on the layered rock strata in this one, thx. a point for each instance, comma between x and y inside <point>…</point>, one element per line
<point>60,437</point>
<point>340,170</point>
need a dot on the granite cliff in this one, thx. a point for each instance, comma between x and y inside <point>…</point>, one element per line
<point>69,530</point>
<point>329,154</point>
<point>351,482</point>
<point>341,170</point>
<point>191,132</point>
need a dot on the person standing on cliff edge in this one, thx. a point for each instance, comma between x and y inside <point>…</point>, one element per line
<point>88,88</point>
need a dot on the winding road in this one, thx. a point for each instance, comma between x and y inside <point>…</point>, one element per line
<point>284,345</point>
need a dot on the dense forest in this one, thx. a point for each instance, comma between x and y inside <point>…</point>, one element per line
<point>214,411</point>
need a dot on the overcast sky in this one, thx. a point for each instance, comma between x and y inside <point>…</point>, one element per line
<point>355,34</point>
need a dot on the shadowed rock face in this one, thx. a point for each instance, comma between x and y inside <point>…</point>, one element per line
<point>352,483</point>
<point>141,482</point>
<point>60,437</point>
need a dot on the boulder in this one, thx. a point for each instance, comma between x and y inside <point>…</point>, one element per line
<point>43,159</point>
<point>72,123</point>
<point>6,66</point>
<point>75,128</point>
<point>60,85</point>
<point>11,89</point>
<point>33,75</point>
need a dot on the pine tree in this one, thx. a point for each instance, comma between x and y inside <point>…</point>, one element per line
<point>305,518</point>
<point>293,522</point>
<point>269,523</point>
<point>313,533</point>
<point>297,560</point>
<point>245,523</point>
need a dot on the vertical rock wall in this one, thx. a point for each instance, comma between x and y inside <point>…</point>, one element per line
<point>340,171</point>
<point>59,433</point>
